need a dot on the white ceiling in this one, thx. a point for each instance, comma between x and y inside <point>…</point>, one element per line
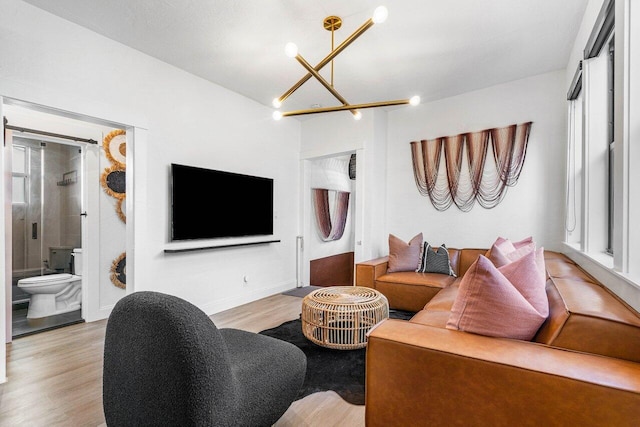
<point>432,48</point>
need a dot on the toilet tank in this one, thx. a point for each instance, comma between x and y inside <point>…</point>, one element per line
<point>60,258</point>
<point>77,261</point>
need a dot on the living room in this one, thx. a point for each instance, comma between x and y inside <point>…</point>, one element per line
<point>173,116</point>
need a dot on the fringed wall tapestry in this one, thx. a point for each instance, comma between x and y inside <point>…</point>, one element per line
<point>331,229</point>
<point>331,186</point>
<point>114,182</point>
<point>482,181</point>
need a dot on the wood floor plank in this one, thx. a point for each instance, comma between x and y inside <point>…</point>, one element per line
<point>55,377</point>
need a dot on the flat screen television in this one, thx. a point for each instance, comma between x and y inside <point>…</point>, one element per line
<point>210,204</point>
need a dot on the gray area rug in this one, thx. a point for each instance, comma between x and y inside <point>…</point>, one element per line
<point>342,371</point>
<point>301,292</point>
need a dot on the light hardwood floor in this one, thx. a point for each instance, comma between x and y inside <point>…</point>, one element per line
<point>55,377</point>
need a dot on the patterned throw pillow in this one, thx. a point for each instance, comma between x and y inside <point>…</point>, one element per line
<point>435,261</point>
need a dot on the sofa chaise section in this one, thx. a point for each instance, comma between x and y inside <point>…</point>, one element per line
<point>581,368</point>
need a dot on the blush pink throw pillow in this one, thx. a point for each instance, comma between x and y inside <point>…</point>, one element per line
<point>404,256</point>
<point>506,302</point>
<point>524,242</point>
<point>503,251</point>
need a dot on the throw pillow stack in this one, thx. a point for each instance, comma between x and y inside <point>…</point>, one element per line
<point>417,256</point>
<point>503,293</point>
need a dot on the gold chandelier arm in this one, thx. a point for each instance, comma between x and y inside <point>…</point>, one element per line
<point>346,107</point>
<point>364,27</point>
<point>325,83</point>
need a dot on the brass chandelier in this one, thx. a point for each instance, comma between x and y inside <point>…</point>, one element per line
<point>333,23</point>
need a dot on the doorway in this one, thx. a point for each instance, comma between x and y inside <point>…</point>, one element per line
<point>46,232</point>
<point>330,215</point>
<point>85,214</point>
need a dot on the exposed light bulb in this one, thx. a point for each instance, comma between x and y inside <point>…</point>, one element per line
<point>277,115</point>
<point>380,15</point>
<point>276,103</point>
<point>291,50</point>
<point>357,115</point>
<point>415,100</point>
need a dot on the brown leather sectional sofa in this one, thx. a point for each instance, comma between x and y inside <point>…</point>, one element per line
<point>581,369</point>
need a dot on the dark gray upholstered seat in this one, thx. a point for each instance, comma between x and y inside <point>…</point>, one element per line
<point>166,364</point>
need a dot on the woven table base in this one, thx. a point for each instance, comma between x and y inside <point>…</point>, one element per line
<point>339,317</point>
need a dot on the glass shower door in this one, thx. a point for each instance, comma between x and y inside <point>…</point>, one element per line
<point>27,251</point>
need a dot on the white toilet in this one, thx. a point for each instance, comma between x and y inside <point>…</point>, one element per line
<point>55,293</point>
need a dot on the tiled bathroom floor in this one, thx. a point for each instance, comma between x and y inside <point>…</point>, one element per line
<point>23,326</point>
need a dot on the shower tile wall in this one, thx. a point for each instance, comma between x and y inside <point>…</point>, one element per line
<point>61,221</point>
<point>58,219</point>
<point>70,223</point>
<point>54,166</point>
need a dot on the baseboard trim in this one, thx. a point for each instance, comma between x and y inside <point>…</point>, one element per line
<point>238,300</point>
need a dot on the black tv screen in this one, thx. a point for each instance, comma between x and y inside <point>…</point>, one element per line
<point>209,204</point>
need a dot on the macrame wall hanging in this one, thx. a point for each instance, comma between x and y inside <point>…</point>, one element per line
<point>331,229</point>
<point>482,181</point>
<point>331,187</point>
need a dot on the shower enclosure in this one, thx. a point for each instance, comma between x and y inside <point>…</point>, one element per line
<point>46,209</point>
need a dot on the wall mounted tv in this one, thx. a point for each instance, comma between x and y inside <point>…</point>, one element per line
<point>210,204</point>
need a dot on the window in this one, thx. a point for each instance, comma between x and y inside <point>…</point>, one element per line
<point>573,221</point>
<point>609,235</point>
<point>19,174</point>
<point>590,170</point>
<point>610,141</point>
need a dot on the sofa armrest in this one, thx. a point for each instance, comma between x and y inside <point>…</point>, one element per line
<point>367,272</point>
<point>422,375</point>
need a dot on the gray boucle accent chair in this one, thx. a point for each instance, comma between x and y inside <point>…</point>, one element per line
<point>166,363</point>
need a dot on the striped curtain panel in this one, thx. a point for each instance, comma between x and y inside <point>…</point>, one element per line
<point>330,225</point>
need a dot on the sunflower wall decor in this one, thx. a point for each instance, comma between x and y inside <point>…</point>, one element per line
<point>113,178</point>
<point>114,183</point>
<point>119,271</point>
<point>115,147</point>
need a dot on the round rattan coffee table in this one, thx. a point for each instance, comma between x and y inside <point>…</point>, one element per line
<point>339,317</point>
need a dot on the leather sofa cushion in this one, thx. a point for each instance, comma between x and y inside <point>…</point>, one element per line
<point>584,316</point>
<point>468,257</point>
<point>443,301</point>
<point>560,268</point>
<point>437,311</point>
<point>436,318</point>
<point>436,280</point>
<point>410,290</point>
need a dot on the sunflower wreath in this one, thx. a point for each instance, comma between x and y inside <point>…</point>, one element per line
<point>114,181</point>
<point>119,271</point>
<point>115,147</point>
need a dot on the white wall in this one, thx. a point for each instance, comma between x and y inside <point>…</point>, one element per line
<point>534,206</point>
<point>49,61</point>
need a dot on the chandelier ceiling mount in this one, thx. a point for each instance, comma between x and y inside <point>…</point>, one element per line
<point>333,23</point>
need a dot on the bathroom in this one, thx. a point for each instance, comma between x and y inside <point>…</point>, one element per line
<point>68,227</point>
<point>46,229</point>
